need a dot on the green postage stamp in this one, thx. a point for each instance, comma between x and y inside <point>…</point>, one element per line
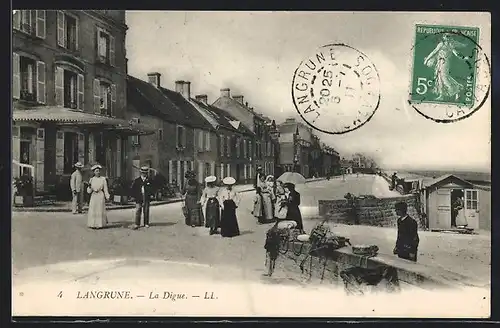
<point>444,65</point>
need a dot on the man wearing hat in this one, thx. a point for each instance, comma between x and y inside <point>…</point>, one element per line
<point>142,189</point>
<point>407,240</point>
<point>76,184</point>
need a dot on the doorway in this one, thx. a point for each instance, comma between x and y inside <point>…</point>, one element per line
<point>70,151</point>
<point>457,205</point>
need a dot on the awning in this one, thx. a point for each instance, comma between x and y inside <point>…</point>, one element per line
<point>65,116</point>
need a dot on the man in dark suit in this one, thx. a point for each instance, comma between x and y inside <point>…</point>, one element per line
<point>142,190</point>
<point>407,240</point>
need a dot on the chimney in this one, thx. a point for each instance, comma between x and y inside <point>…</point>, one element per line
<point>186,89</point>
<point>238,99</point>
<point>154,79</point>
<point>225,92</point>
<point>179,85</point>
<point>202,98</point>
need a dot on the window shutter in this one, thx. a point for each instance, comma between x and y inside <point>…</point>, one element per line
<point>81,147</point>
<point>97,96</point>
<point>208,140</point>
<point>40,24</point>
<point>112,50</point>
<point>113,100</point>
<point>26,26</point>
<point>81,91</point>
<point>184,137</point>
<point>61,36</point>
<point>16,20</point>
<point>59,152</point>
<point>40,158</point>
<point>40,85</point>
<point>77,26</point>
<point>97,43</point>
<point>59,86</point>
<point>16,76</point>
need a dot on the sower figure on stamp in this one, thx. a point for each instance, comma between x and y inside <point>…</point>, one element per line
<point>142,190</point>
<point>407,240</point>
<point>76,185</point>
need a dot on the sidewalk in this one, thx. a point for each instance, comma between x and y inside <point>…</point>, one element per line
<point>60,206</point>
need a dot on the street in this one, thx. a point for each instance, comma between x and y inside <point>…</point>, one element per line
<point>49,249</point>
<point>40,239</point>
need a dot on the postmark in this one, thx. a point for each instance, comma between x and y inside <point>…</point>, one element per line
<point>451,74</point>
<point>337,89</point>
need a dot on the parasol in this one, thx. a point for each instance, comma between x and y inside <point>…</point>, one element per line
<point>292,177</point>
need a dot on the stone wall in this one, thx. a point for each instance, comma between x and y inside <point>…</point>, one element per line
<point>373,212</point>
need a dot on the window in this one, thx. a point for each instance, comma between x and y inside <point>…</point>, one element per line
<point>104,98</point>
<point>105,47</point>
<point>136,138</point>
<point>181,137</point>
<point>160,134</point>
<point>30,22</point>
<point>207,140</point>
<point>228,146</point>
<point>69,88</point>
<point>207,170</point>
<point>250,149</point>
<point>471,197</point>
<point>245,149</point>
<point>222,145</point>
<point>237,143</point>
<point>28,79</point>
<point>70,151</point>
<point>67,31</point>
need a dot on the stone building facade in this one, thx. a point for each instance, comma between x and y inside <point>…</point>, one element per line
<point>69,93</point>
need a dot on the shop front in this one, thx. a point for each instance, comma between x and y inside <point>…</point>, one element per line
<point>47,142</point>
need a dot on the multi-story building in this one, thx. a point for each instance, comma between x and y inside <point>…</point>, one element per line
<point>68,84</point>
<point>184,139</point>
<point>262,149</point>
<point>295,147</point>
<point>234,141</point>
<point>331,161</point>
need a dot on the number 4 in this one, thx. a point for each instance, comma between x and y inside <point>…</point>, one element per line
<point>422,84</point>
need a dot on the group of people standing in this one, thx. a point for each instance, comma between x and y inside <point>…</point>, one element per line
<point>214,206</point>
<point>141,190</point>
<point>275,200</point>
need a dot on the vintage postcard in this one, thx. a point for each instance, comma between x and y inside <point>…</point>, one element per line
<point>211,164</point>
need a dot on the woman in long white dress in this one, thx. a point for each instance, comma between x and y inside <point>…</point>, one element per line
<point>98,190</point>
<point>445,86</point>
<point>268,198</point>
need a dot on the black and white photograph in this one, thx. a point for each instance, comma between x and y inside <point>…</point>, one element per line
<point>251,164</point>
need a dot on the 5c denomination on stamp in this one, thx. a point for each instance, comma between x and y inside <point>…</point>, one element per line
<point>451,73</point>
<point>337,89</point>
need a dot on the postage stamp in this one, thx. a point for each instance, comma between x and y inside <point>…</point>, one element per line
<point>450,72</point>
<point>337,89</point>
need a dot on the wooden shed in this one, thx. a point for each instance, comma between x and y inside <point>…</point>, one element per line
<point>437,197</point>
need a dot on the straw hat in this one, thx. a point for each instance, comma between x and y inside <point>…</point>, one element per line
<point>229,181</point>
<point>97,166</point>
<point>210,179</point>
<point>78,165</point>
<point>144,169</point>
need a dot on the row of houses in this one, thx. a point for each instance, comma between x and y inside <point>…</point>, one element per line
<point>73,100</point>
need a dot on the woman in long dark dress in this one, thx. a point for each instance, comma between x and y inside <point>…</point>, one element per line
<point>292,204</point>
<point>210,205</point>
<point>229,201</point>
<point>191,201</point>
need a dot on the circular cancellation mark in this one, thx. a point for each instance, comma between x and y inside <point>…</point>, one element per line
<point>451,74</point>
<point>337,89</point>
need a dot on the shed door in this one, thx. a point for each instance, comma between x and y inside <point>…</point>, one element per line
<point>472,208</point>
<point>443,209</point>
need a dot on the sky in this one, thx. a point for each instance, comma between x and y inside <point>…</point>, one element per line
<point>255,54</point>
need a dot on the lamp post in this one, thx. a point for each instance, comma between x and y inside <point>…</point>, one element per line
<point>275,134</point>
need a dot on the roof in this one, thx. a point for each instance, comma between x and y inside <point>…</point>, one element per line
<point>222,118</point>
<point>443,178</point>
<point>163,103</point>
<point>67,116</point>
<point>224,101</point>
